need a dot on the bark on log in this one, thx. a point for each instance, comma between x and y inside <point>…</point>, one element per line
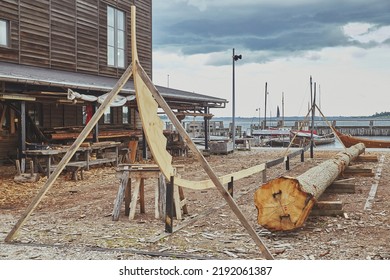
<point>285,203</point>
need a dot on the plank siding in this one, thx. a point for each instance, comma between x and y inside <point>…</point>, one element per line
<point>9,11</point>
<point>144,34</point>
<point>71,35</point>
<point>8,147</point>
<point>71,115</point>
<point>34,32</point>
<point>63,35</point>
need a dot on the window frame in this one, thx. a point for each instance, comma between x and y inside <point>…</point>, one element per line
<point>113,47</point>
<point>125,115</point>
<point>107,116</point>
<point>7,35</point>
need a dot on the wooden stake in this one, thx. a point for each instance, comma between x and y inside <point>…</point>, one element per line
<point>169,206</point>
<point>120,196</point>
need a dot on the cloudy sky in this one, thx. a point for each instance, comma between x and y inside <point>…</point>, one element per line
<point>343,44</point>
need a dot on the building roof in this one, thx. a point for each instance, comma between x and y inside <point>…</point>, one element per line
<point>36,76</point>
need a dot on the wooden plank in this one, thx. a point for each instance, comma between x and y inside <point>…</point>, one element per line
<point>144,84</point>
<point>120,195</point>
<point>207,184</point>
<point>134,199</point>
<point>374,187</point>
<point>161,192</point>
<point>367,158</point>
<point>326,212</point>
<point>328,205</point>
<point>337,187</point>
<point>275,162</point>
<point>327,208</point>
<point>72,150</point>
<point>363,172</point>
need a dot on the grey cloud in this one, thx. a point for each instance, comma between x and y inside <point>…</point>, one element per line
<point>277,29</point>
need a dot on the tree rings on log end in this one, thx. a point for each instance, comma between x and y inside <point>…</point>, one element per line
<point>282,205</point>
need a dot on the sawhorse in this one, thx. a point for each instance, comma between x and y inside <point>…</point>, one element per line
<point>140,172</point>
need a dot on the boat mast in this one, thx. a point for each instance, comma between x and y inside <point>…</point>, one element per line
<point>313,104</point>
<point>282,109</point>
<point>265,107</point>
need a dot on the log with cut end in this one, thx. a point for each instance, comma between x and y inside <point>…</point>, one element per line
<point>285,203</point>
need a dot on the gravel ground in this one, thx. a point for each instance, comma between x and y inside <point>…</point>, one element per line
<point>73,221</point>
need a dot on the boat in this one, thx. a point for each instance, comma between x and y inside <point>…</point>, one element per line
<point>279,142</point>
<point>349,140</point>
<point>301,138</point>
<point>271,132</point>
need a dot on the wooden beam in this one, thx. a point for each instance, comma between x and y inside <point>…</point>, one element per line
<point>2,118</point>
<point>327,208</point>
<point>73,148</point>
<point>362,172</point>
<point>341,187</point>
<point>367,158</point>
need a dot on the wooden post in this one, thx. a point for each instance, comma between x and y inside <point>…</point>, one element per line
<point>95,131</point>
<point>22,135</point>
<point>206,129</point>
<point>144,147</point>
<point>162,193</point>
<point>127,198</point>
<point>264,175</point>
<point>2,118</point>
<point>303,155</point>
<point>120,195</point>
<point>17,165</point>
<point>230,186</point>
<point>169,207</point>
<point>287,163</point>
<point>142,195</point>
<point>72,150</point>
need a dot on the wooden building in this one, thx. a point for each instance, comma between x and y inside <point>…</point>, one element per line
<point>57,60</point>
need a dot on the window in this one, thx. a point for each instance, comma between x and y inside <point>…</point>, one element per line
<point>107,116</point>
<point>125,115</point>
<point>115,37</point>
<point>4,33</point>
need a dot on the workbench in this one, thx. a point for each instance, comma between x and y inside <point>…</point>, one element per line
<point>48,156</point>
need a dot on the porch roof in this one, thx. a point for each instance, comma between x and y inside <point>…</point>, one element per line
<point>59,79</point>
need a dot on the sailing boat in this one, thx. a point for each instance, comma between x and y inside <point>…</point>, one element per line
<point>349,141</point>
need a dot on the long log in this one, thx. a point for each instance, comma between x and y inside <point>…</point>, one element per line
<point>285,203</point>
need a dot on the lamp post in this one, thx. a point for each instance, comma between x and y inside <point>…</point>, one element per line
<point>258,109</point>
<point>235,58</point>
